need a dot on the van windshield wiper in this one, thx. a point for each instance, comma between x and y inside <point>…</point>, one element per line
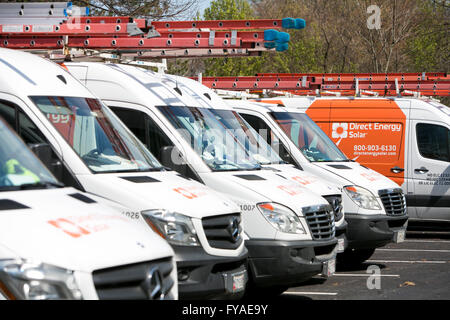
<point>36,185</point>
<point>347,160</point>
<point>40,185</point>
<point>137,170</point>
<point>157,169</point>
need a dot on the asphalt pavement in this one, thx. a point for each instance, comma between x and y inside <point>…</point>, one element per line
<point>418,269</point>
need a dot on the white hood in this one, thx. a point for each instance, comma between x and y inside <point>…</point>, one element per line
<point>64,231</point>
<point>306,179</point>
<point>352,173</point>
<point>160,190</point>
<point>272,187</point>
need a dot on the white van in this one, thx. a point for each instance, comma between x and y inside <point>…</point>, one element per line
<point>289,230</point>
<point>93,151</point>
<point>405,139</point>
<point>263,153</point>
<point>60,243</point>
<point>374,206</point>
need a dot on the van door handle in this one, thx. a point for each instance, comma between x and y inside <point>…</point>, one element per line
<point>421,170</point>
<point>397,169</point>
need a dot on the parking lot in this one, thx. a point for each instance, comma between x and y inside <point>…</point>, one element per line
<point>418,269</point>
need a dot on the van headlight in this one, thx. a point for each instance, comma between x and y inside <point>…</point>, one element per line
<point>22,279</point>
<point>281,217</point>
<point>176,228</point>
<point>362,197</point>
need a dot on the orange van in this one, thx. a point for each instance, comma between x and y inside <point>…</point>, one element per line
<point>405,139</point>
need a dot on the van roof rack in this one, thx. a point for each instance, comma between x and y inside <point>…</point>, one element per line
<point>345,84</point>
<point>62,31</point>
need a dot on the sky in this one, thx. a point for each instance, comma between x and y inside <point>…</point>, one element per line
<point>203,4</point>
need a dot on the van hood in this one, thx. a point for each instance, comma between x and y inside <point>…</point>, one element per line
<point>270,186</point>
<point>161,190</point>
<point>306,179</point>
<point>65,228</point>
<point>358,175</point>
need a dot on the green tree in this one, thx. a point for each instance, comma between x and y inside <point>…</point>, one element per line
<point>429,49</point>
<point>230,10</point>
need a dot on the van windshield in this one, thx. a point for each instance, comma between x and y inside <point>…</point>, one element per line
<point>218,147</point>
<point>308,137</point>
<point>91,129</point>
<point>254,142</point>
<point>19,168</point>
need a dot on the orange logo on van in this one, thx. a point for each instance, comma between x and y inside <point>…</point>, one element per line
<point>304,181</point>
<point>192,192</point>
<point>340,130</point>
<point>69,227</point>
<point>185,193</point>
<point>292,190</point>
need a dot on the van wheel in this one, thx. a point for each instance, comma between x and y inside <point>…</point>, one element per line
<point>355,256</point>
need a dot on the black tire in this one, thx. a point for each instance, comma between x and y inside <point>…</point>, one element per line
<point>355,256</point>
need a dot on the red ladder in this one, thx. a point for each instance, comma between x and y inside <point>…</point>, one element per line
<point>141,37</point>
<point>389,84</point>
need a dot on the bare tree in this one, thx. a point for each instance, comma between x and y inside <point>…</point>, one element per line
<point>153,9</point>
<point>399,20</point>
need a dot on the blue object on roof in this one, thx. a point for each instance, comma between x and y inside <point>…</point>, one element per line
<point>282,47</point>
<point>271,34</point>
<point>270,45</point>
<point>288,23</point>
<point>300,24</point>
<point>283,37</point>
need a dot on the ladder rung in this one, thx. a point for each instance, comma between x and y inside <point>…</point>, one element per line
<point>120,42</point>
<point>33,5</point>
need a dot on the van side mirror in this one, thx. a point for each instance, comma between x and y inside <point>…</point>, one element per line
<point>171,157</point>
<point>45,153</point>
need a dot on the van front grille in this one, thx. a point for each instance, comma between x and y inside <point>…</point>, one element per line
<point>394,201</point>
<point>140,281</point>
<point>223,232</point>
<point>320,221</point>
<point>335,202</point>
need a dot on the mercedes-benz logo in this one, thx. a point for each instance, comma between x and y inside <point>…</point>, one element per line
<point>153,284</point>
<point>335,206</point>
<point>233,228</point>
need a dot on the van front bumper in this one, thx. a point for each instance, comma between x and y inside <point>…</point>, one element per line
<point>203,276</point>
<point>287,263</point>
<point>373,231</point>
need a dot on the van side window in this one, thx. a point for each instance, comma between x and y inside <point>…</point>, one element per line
<point>31,135</point>
<point>433,141</point>
<point>28,130</point>
<point>259,124</point>
<point>20,122</point>
<point>8,113</point>
<point>149,133</point>
<point>145,129</point>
